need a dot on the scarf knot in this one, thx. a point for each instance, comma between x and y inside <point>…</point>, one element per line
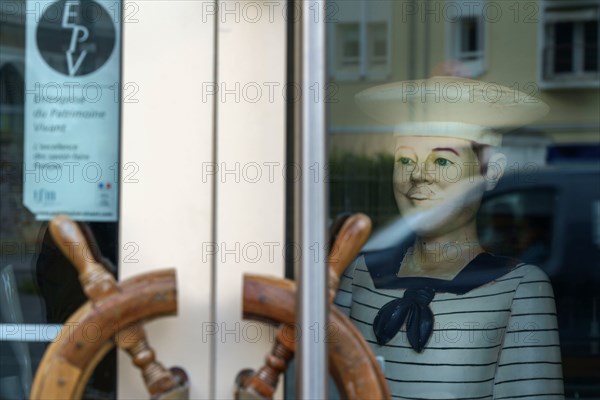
<point>412,308</point>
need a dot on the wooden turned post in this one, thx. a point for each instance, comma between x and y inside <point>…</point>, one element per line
<point>264,382</point>
<point>157,378</point>
<point>96,281</point>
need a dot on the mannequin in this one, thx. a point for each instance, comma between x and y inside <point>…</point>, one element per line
<point>449,319</point>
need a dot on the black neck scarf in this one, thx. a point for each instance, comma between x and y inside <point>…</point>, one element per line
<point>413,308</point>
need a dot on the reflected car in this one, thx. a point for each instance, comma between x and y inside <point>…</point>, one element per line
<point>551,217</point>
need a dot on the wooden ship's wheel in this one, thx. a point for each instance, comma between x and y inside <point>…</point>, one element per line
<point>351,362</point>
<point>112,316</point>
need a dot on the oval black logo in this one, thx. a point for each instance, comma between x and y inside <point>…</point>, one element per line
<point>75,37</point>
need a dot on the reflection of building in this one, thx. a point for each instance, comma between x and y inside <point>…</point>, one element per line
<point>547,48</point>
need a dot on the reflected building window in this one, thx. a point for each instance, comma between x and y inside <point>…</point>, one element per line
<point>349,46</point>
<point>378,45</point>
<point>466,32</point>
<point>570,45</point>
<point>360,41</point>
<point>470,35</point>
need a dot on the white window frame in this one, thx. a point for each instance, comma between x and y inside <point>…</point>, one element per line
<point>345,71</point>
<point>363,13</point>
<point>477,66</point>
<point>573,12</point>
<point>478,54</point>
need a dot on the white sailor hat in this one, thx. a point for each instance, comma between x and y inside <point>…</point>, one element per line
<point>452,107</point>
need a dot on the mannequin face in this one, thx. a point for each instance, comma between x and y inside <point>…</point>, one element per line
<point>437,174</point>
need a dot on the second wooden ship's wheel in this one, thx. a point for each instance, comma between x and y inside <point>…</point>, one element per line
<point>351,362</point>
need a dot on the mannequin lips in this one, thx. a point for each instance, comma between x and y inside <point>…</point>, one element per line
<point>420,193</point>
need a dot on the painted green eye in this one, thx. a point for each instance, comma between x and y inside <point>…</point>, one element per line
<point>405,161</point>
<point>442,162</point>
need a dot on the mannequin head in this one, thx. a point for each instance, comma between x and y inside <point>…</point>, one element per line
<point>445,174</point>
<point>446,129</point>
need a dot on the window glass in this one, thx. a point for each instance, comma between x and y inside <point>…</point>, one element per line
<point>59,146</point>
<point>563,43</point>
<point>541,215</point>
<point>350,53</point>
<point>591,46</point>
<point>377,43</point>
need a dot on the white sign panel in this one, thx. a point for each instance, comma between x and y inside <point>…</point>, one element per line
<point>72,80</point>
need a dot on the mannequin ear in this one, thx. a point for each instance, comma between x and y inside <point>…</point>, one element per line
<point>495,170</point>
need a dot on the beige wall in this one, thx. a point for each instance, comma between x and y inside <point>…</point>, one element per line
<point>167,214</point>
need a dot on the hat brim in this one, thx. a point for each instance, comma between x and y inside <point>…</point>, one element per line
<point>451,99</point>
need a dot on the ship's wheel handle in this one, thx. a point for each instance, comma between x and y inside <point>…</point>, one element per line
<point>113,315</point>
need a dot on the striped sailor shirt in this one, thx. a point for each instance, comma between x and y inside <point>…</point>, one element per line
<point>494,335</point>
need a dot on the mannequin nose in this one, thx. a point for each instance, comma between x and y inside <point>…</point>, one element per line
<point>420,174</point>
